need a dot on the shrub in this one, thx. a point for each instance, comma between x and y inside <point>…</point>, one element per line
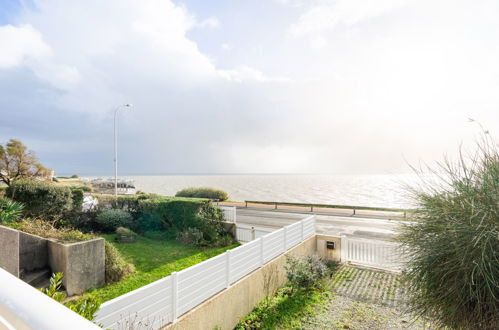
<point>47,230</point>
<point>86,307</point>
<point>125,235</point>
<point>305,272</point>
<point>452,243</point>
<point>111,219</point>
<point>77,196</point>
<point>116,266</point>
<point>10,211</point>
<point>191,236</point>
<point>41,199</point>
<point>203,192</point>
<point>149,222</point>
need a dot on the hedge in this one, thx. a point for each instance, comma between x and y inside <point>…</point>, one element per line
<point>203,192</point>
<point>41,199</point>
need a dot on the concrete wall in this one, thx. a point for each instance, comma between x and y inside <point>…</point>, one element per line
<point>9,250</point>
<point>324,252</point>
<point>228,307</point>
<point>32,252</point>
<point>82,263</point>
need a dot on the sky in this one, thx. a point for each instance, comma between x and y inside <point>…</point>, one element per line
<point>237,86</point>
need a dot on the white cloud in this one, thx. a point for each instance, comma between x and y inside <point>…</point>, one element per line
<point>326,15</point>
<point>20,44</point>
<point>246,73</point>
<point>211,22</point>
<point>226,46</point>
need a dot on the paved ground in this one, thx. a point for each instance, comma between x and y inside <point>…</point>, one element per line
<point>364,299</point>
<point>373,228</point>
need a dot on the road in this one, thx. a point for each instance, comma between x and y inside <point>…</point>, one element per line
<point>381,229</point>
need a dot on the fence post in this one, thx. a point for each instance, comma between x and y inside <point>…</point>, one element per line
<point>302,235</point>
<point>253,235</point>
<point>343,247</point>
<point>227,268</point>
<point>285,239</point>
<point>174,296</point>
<point>261,251</point>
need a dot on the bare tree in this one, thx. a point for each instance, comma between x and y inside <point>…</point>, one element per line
<point>17,162</point>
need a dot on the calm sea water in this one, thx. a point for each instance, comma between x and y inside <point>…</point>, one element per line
<point>368,190</point>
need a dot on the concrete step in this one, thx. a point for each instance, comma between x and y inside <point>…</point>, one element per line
<point>38,278</point>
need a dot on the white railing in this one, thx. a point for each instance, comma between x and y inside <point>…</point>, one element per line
<point>24,307</point>
<point>245,233</point>
<point>372,253</point>
<point>229,213</point>
<point>163,301</point>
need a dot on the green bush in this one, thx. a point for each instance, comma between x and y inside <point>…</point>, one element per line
<point>86,307</point>
<point>77,196</point>
<point>148,222</point>
<point>191,236</point>
<point>203,192</point>
<point>125,235</point>
<point>111,219</point>
<point>116,267</point>
<point>305,272</point>
<point>10,211</point>
<point>41,199</point>
<point>453,241</point>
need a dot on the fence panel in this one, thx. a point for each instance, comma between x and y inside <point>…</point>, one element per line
<point>148,304</point>
<point>161,302</point>
<point>378,254</point>
<point>244,260</point>
<point>293,234</point>
<point>229,213</point>
<point>200,282</point>
<point>246,233</point>
<point>273,245</point>
<point>309,227</point>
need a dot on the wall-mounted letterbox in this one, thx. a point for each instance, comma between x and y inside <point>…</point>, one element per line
<point>330,245</point>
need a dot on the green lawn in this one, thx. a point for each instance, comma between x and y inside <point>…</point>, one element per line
<point>154,258</point>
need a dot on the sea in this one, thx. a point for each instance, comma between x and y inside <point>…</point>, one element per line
<point>387,190</point>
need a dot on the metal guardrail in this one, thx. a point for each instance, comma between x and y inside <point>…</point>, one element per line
<point>332,206</point>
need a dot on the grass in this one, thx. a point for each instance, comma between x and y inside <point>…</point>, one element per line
<point>154,258</point>
<point>286,308</point>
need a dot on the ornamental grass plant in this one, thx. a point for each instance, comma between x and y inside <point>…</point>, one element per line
<point>452,243</point>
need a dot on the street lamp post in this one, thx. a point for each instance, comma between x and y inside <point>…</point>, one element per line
<point>116,147</point>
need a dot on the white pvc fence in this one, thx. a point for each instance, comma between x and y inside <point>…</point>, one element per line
<point>245,233</point>
<point>372,253</point>
<point>229,213</point>
<point>163,301</point>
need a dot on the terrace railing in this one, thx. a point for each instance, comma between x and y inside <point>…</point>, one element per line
<point>24,307</point>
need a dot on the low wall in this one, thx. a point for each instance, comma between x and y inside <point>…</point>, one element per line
<point>9,250</point>
<point>32,252</point>
<point>228,307</point>
<point>327,253</point>
<point>82,263</point>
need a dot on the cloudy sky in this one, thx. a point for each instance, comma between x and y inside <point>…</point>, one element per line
<point>237,86</point>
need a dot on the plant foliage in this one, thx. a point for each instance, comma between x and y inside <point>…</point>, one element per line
<point>41,199</point>
<point>203,192</point>
<point>453,243</point>
<point>10,211</point>
<point>111,219</point>
<point>116,266</point>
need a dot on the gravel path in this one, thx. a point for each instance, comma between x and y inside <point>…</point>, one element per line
<point>364,299</point>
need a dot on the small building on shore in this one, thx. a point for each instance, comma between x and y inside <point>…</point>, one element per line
<point>106,186</point>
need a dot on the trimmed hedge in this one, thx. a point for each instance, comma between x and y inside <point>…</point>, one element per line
<point>41,199</point>
<point>172,214</point>
<point>111,219</point>
<point>203,192</point>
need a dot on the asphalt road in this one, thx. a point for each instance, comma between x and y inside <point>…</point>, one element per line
<point>380,229</point>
